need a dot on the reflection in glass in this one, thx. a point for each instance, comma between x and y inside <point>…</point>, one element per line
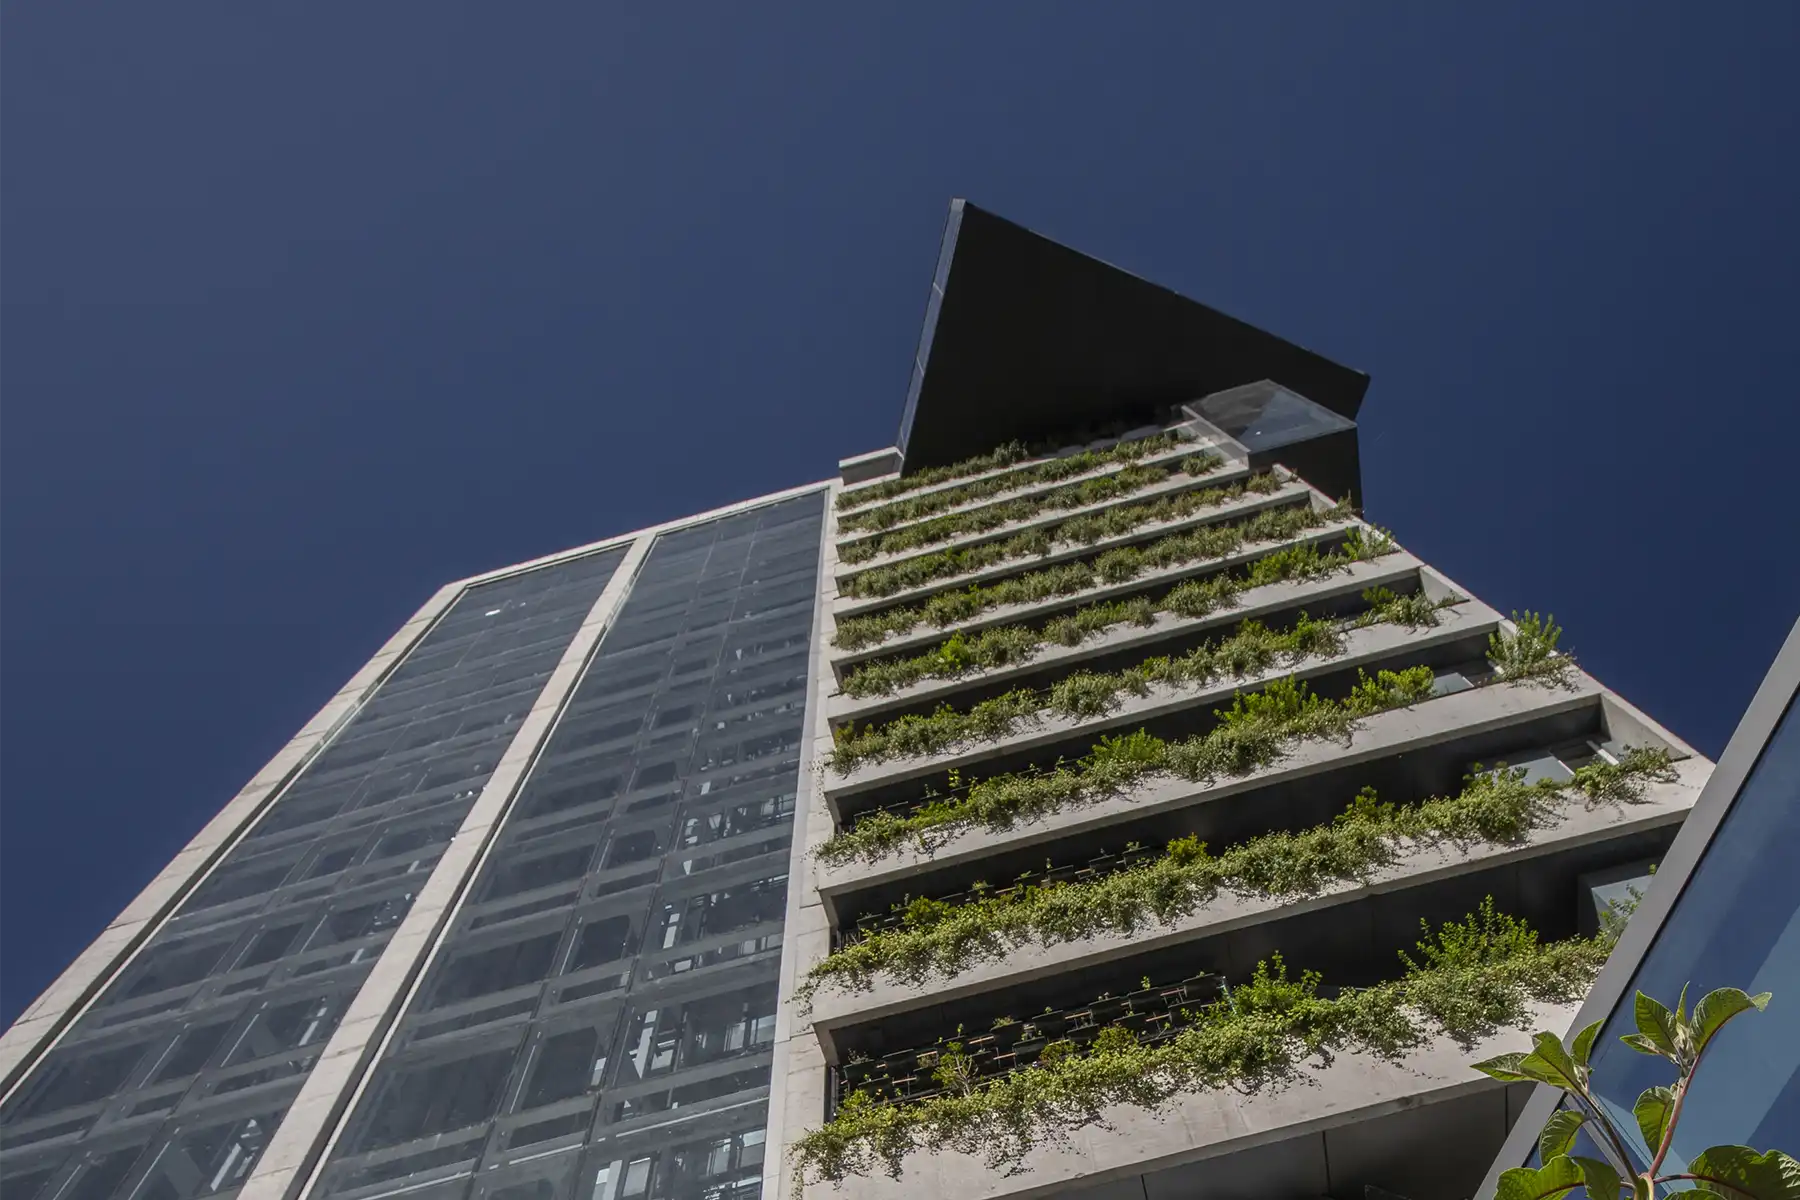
<point>227,1007</point>
<point>1737,924</point>
<point>1264,416</point>
<point>631,910</point>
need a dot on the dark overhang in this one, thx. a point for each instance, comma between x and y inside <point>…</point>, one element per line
<point>1027,339</point>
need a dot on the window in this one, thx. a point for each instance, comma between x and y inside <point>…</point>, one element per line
<point>1736,924</point>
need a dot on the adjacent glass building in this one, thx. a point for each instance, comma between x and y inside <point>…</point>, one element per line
<point>530,910</point>
<point>1723,912</point>
<point>610,743</point>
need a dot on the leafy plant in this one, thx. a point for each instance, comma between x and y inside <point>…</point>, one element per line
<point>1003,455</point>
<point>1009,645</point>
<point>1259,1037</point>
<point>1119,565</point>
<point>1252,648</point>
<point>1726,1172</point>
<point>1082,530</point>
<point>1257,728</point>
<point>1495,807</point>
<point>1528,651</point>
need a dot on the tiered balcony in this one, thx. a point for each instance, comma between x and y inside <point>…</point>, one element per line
<point>1024,757</point>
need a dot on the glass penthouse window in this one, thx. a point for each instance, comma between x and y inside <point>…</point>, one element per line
<point>1264,416</point>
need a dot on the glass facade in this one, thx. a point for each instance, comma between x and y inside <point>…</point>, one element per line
<point>1264,416</point>
<point>172,1082</point>
<point>600,1016</point>
<point>1736,924</point>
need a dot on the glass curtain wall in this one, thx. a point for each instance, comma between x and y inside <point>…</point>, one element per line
<point>171,1084</point>
<point>600,1017</point>
<point>1736,924</point>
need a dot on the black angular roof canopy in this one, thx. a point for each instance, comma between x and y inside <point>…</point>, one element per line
<point>1027,339</point>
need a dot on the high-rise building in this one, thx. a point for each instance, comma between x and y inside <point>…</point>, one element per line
<point>1077,798</point>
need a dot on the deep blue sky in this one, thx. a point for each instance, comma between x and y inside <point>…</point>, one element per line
<point>307,310</point>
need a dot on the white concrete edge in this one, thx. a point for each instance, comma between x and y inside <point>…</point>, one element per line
<point>1361,647</point>
<point>1252,604</point>
<point>670,526</point>
<point>1232,510</point>
<point>1220,475</point>
<point>303,1140</point>
<point>1414,866</point>
<point>59,1006</point>
<point>805,917</point>
<point>1138,434</point>
<point>923,637</point>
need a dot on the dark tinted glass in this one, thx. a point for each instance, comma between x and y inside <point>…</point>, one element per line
<point>1264,416</point>
<point>601,1017</point>
<point>1737,924</point>
<point>170,1086</point>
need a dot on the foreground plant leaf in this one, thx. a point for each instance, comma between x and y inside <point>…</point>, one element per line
<point>1719,1006</point>
<point>1740,1173</point>
<point>1558,1135</point>
<point>1558,1177</point>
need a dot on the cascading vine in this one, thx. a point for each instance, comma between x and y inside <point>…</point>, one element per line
<point>1097,490</point>
<point>1252,649</point>
<point>1004,455</point>
<point>1084,530</point>
<point>1010,645</point>
<point>938,939</point>
<point>1257,729</point>
<point>1469,979</point>
<point>859,525</point>
<point>1122,564</point>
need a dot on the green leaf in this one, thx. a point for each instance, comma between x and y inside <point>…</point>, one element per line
<point>1656,1025</point>
<point>1504,1067</point>
<point>1559,1133</point>
<point>1549,1062</point>
<point>1719,1006</point>
<point>1584,1043</point>
<point>1601,1180</point>
<point>1641,1044</point>
<point>1558,1177</point>
<point>1652,1113</point>
<point>1740,1173</point>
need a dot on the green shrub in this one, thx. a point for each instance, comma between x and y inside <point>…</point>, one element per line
<point>1494,807</point>
<point>1084,530</point>
<point>888,515</point>
<point>1258,1038</point>
<point>1529,651</point>
<point>1003,455</point>
<point>1256,729</point>
<point>1123,564</point>
<point>1252,648</point>
<point>1097,490</point>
